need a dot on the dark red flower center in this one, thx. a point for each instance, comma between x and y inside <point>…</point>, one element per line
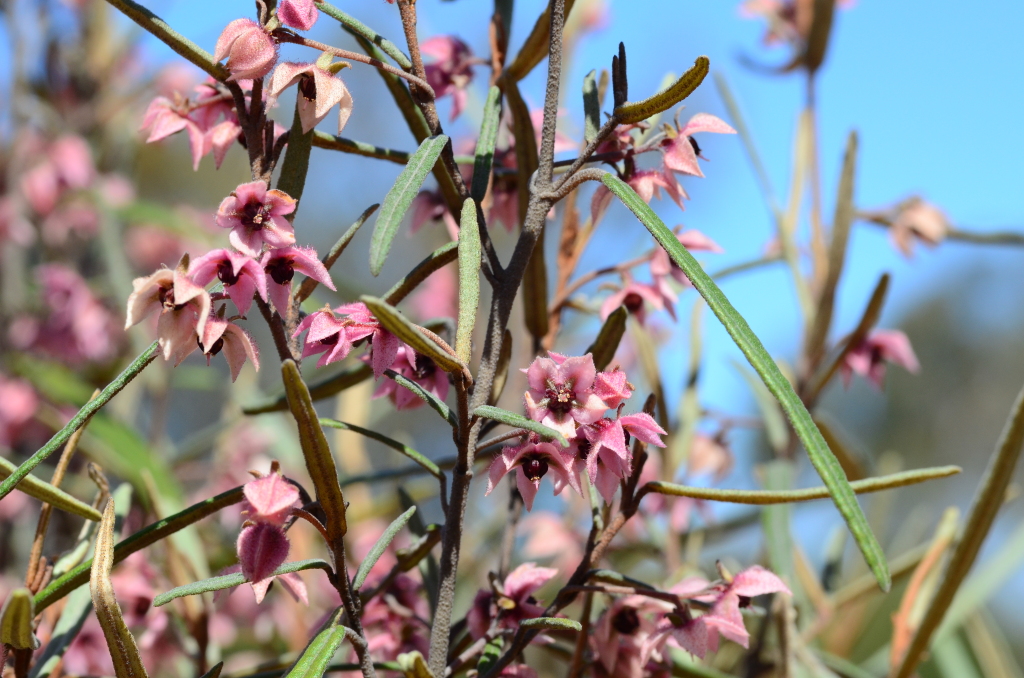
<point>215,349</point>
<point>626,621</point>
<point>693,143</point>
<point>535,467</point>
<point>280,270</point>
<point>226,273</point>
<point>560,397</point>
<point>633,302</point>
<point>254,215</point>
<point>745,601</point>
<point>584,446</point>
<point>330,340</point>
<point>424,367</point>
<point>307,88</point>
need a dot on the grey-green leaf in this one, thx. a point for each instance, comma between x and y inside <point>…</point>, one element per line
<point>16,620</point>
<point>821,457</point>
<point>484,156</point>
<point>379,546</point>
<point>552,624</point>
<point>426,396</point>
<point>227,581</point>
<point>400,326</point>
<point>400,197</point>
<point>469,280</point>
<point>44,491</point>
<point>519,421</point>
<point>607,341</point>
<point>409,452</point>
<point>313,661</point>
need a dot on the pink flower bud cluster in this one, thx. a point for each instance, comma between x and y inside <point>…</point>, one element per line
<point>569,395</point>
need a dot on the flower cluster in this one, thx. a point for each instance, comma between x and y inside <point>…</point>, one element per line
<point>569,395</point>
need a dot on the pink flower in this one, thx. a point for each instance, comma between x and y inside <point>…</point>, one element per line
<point>532,461</point>
<point>511,602</point>
<point>612,387</point>
<point>604,452</point>
<point>184,310</point>
<point>14,227</point>
<point>625,637</point>
<point>165,117</point>
<point>561,393</point>
<point>709,455</point>
<point>319,91</point>
<point>249,49</point>
<point>72,160</point>
<point>681,153</point>
<point>241,275</point>
<point>334,336</point>
<point>393,620</point>
<point>18,405</point>
<point>633,296</point>
<point>648,184</point>
<point>417,368</point>
<point>725,618</point>
<point>270,499</point>
<point>280,265</point>
<point>550,535</point>
<point>256,217</point>
<point>300,14</point>
<point>262,548</point>
<point>694,241</point>
<point>220,334</point>
<point>869,358</point>
<point>451,71</point>
<point>921,221</point>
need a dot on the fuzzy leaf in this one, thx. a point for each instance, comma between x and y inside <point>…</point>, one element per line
<point>16,620</point>
<point>227,581</point>
<point>591,107</point>
<point>400,197</point>
<point>484,158</point>
<point>552,624</point>
<point>607,341</point>
<point>519,421</point>
<point>379,547</point>
<point>637,111</point>
<point>317,453</point>
<point>120,642</point>
<point>400,326</point>
<point>817,449</point>
<point>45,492</point>
<point>469,281</point>
<point>79,420</point>
<point>313,661</point>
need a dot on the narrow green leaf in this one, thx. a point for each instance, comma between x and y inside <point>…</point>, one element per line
<point>607,341</point>
<point>552,624</point>
<point>766,497</point>
<point>591,107</point>
<point>987,502</point>
<point>841,223</point>
<point>442,256</point>
<point>236,579</point>
<point>469,281</point>
<point>78,421</point>
<point>501,370</point>
<point>295,164</point>
<point>426,396</point>
<point>400,326</point>
<point>335,143</point>
<point>484,157</point>
<point>317,453</point>
<point>366,32</point>
<point>400,197</point>
<point>413,665</point>
<point>817,449</point>
<point>379,546</point>
<point>519,421</point>
<point>76,610</point>
<point>535,49</point>
<point>409,452</point>
<point>45,492</point>
<point>324,388</point>
<point>309,284</point>
<point>313,661</point>
<point>637,111</point>
<point>120,642</point>
<point>16,617</point>
<point>214,671</point>
<point>150,534</point>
